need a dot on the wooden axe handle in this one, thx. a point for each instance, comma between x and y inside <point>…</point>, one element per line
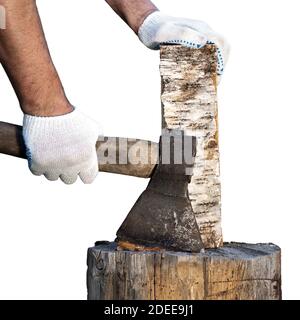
<point>11,143</point>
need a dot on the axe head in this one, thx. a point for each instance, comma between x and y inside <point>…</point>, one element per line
<point>163,216</point>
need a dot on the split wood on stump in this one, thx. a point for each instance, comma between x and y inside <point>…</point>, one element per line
<point>234,271</point>
<point>227,272</point>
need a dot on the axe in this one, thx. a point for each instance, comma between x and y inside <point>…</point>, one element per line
<point>162,217</point>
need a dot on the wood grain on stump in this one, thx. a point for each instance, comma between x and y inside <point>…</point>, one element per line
<point>234,272</point>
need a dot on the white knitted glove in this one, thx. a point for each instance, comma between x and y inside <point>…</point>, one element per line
<point>62,147</point>
<point>159,28</point>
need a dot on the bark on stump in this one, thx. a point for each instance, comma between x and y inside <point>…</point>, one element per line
<point>234,272</point>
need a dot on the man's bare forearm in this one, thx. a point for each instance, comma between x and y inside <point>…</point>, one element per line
<point>25,57</point>
<point>133,12</point>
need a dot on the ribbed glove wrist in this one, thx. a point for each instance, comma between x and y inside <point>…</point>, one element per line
<point>150,27</point>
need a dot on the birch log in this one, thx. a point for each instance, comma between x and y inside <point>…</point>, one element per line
<point>234,272</point>
<point>189,103</point>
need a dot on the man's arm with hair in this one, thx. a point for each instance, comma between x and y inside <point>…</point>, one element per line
<point>133,12</point>
<point>25,57</point>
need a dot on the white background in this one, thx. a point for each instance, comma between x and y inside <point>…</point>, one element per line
<point>46,227</point>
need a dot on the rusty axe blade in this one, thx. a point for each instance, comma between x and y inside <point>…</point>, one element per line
<point>163,216</point>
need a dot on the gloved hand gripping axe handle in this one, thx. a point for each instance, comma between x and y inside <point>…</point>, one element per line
<point>11,143</point>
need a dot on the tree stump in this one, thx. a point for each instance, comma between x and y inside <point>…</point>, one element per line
<point>236,271</point>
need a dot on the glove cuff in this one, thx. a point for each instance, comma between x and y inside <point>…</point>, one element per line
<point>149,28</point>
<point>35,125</point>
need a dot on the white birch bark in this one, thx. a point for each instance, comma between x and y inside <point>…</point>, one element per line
<point>189,103</point>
